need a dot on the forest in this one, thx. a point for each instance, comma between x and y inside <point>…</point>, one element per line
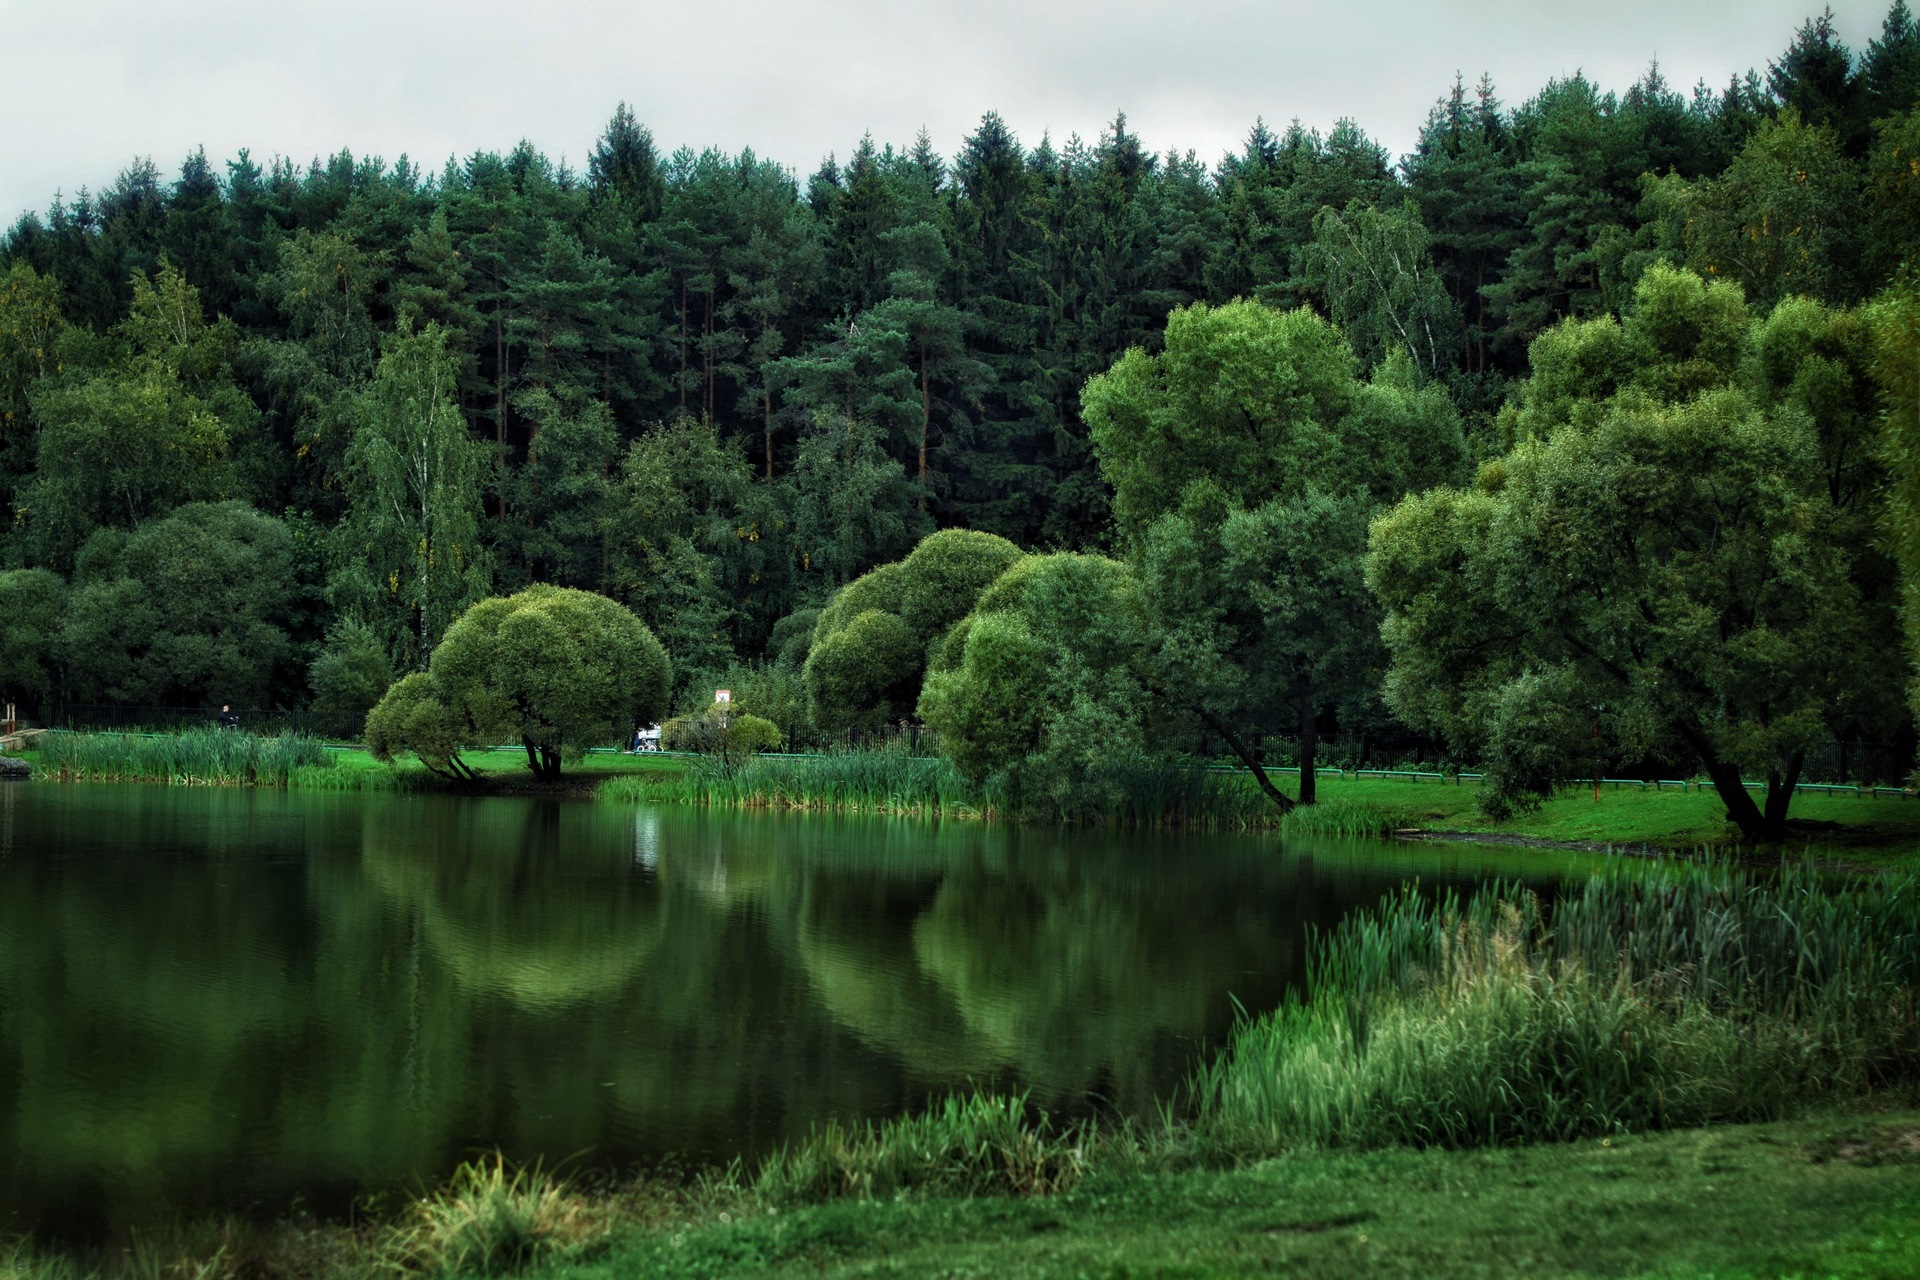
<point>267,430</point>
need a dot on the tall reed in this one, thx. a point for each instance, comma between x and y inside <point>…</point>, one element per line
<point>196,757</point>
<point>1126,791</point>
<point>1637,1001</point>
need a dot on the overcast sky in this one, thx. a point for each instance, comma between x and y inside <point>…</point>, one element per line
<point>88,84</point>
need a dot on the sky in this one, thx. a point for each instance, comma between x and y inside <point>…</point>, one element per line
<point>90,84</point>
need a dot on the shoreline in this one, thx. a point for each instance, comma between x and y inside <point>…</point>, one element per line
<point>1849,833</point>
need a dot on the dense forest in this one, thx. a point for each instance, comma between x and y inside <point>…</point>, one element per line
<point>266,430</point>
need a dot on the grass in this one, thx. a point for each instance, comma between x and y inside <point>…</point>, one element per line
<point>1766,1200</point>
<point>1127,792</point>
<point>1643,999</point>
<point>969,1145</point>
<point>196,757</point>
<point>489,1220</point>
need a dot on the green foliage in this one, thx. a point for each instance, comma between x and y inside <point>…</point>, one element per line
<point>721,730</point>
<point>697,550</point>
<point>411,716</point>
<point>1374,269</point>
<point>1638,1001</point>
<point>1674,560</point>
<point>558,669</point>
<point>410,553</point>
<point>1042,687</point>
<point>33,603</point>
<point>1785,218</point>
<point>353,670</point>
<point>150,427</point>
<point>464,375</point>
<point>863,675</point>
<point>1896,329</point>
<point>190,609</point>
<point>1246,459</point>
<point>871,642</point>
<point>945,574</point>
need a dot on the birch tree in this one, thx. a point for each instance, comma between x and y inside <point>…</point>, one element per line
<point>410,556</point>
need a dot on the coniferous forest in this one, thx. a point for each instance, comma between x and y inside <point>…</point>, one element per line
<point>266,429</point>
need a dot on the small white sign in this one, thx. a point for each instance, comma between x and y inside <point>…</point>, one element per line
<point>723,695</point>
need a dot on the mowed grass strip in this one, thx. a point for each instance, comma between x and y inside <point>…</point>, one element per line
<point>1835,1196</point>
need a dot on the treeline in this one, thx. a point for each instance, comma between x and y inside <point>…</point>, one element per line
<point>263,434</point>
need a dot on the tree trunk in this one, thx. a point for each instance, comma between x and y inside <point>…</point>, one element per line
<point>500,410</point>
<point>926,423</point>
<point>1780,785</point>
<point>1741,810</point>
<point>1309,749</point>
<point>766,427</point>
<point>1239,748</point>
<point>706,361</point>
<point>683,346</point>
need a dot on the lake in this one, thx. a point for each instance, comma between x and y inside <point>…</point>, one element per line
<point>239,1000</point>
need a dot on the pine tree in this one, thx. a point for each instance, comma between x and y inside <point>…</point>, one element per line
<point>1890,70</point>
<point>1815,77</point>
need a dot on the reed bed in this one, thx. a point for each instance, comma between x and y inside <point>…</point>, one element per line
<point>1696,995</point>
<point>1129,791</point>
<point>196,757</point>
<point>879,780</point>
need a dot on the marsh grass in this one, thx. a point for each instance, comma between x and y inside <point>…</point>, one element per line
<point>1697,995</point>
<point>382,778</point>
<point>1125,791</point>
<point>966,1145</point>
<point>196,757</point>
<point>490,1219</point>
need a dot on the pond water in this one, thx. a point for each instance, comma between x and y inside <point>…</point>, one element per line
<point>241,1000</point>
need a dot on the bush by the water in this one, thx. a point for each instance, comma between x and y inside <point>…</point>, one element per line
<point>196,757</point>
<point>976,1144</point>
<point>1635,1001</point>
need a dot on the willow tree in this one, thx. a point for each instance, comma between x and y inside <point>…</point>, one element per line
<point>411,557</point>
<point>1246,460</point>
<point>1677,560</point>
<point>559,669</point>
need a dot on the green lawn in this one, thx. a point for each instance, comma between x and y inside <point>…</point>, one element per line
<point>1830,1197</point>
<point>1628,815</point>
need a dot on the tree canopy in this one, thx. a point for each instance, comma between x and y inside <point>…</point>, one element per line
<point>554,668</point>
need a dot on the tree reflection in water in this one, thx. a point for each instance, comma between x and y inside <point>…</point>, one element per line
<point>227,999</point>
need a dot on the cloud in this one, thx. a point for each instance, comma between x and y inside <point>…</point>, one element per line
<point>93,83</point>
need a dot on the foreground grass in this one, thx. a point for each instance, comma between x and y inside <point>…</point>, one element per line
<point>1837,1194</point>
<point>1834,1196</point>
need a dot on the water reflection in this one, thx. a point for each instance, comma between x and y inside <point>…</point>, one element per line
<point>230,999</point>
